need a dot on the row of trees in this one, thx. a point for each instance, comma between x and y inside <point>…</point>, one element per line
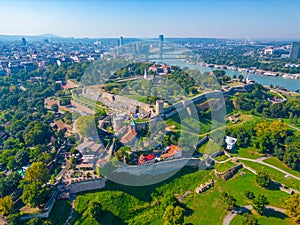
<point>271,138</point>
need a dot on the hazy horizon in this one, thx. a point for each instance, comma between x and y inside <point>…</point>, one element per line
<point>146,19</point>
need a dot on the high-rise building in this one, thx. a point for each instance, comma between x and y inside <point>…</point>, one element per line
<point>295,50</point>
<point>121,41</point>
<point>161,47</point>
<point>24,42</point>
<point>161,37</point>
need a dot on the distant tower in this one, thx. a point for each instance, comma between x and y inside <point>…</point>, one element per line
<point>145,75</point>
<point>159,107</point>
<point>121,41</point>
<point>161,37</point>
<point>295,50</point>
<point>24,42</point>
<point>161,46</point>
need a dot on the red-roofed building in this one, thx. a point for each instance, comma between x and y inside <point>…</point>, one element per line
<point>128,137</point>
<point>146,159</point>
<point>164,69</point>
<point>173,152</point>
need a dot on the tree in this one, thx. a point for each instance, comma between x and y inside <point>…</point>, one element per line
<point>249,195</point>
<point>292,206</point>
<point>167,200</point>
<point>37,172</point>
<point>38,221</point>
<point>292,154</point>
<point>6,205</point>
<point>38,134</point>
<point>94,209</point>
<point>249,219</point>
<point>11,163</point>
<point>228,200</point>
<point>260,202</point>
<point>263,178</point>
<point>87,126</point>
<point>32,194</point>
<point>22,157</point>
<point>9,184</point>
<point>54,108</point>
<point>173,215</point>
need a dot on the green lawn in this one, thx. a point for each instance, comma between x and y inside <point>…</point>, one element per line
<point>208,209</point>
<point>249,152</point>
<point>275,175</point>
<point>221,158</point>
<point>209,147</point>
<point>137,205</point>
<point>276,162</point>
<point>221,167</point>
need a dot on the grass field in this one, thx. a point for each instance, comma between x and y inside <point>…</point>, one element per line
<point>249,152</point>
<point>221,167</point>
<point>275,175</point>
<point>276,162</point>
<point>140,205</point>
<point>221,158</point>
<point>208,208</point>
<point>209,147</point>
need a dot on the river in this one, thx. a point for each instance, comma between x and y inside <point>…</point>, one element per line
<point>289,84</point>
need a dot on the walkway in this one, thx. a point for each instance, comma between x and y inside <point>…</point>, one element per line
<point>240,210</point>
<point>260,161</point>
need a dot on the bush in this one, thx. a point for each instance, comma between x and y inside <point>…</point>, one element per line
<point>249,195</point>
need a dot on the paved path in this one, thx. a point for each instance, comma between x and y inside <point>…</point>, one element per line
<point>229,217</point>
<point>260,161</point>
<point>232,214</point>
<point>296,128</point>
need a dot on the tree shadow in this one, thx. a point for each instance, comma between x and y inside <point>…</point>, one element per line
<point>143,193</point>
<point>108,218</point>
<point>273,213</point>
<point>187,211</point>
<point>273,186</point>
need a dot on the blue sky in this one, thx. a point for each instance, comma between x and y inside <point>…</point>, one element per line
<point>137,18</point>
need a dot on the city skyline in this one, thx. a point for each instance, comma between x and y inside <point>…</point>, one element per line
<point>131,18</point>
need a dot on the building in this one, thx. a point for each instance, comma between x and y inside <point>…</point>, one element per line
<point>295,50</point>
<point>24,42</point>
<point>230,141</point>
<point>159,107</point>
<point>121,41</point>
<point>172,152</point>
<point>161,37</point>
<point>130,135</point>
<point>269,51</point>
<point>146,159</point>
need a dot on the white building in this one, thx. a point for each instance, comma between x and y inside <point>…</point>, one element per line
<point>230,141</point>
<point>269,51</point>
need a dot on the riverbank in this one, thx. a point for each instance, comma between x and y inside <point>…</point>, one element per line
<point>288,84</point>
<point>252,71</point>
